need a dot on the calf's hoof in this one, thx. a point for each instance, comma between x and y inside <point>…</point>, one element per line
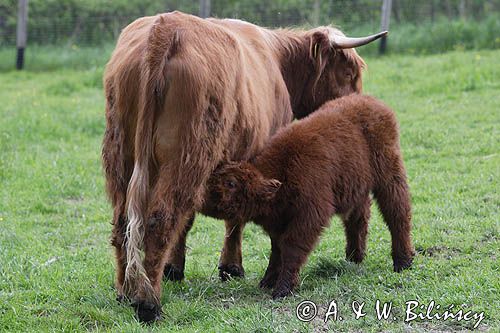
<point>283,288</point>
<point>227,272</point>
<point>281,292</point>
<point>402,263</point>
<point>355,256</point>
<point>268,282</point>
<point>172,273</point>
<point>147,312</point>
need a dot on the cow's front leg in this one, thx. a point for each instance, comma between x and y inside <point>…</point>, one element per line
<point>176,258</point>
<point>230,263</point>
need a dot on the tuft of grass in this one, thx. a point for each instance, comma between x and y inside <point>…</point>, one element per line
<point>56,263</point>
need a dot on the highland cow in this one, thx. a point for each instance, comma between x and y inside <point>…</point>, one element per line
<point>183,94</point>
<point>325,164</point>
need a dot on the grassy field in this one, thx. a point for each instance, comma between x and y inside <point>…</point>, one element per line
<point>56,264</point>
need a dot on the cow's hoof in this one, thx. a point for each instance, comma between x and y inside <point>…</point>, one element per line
<point>402,263</point>
<point>147,312</point>
<point>120,298</point>
<point>173,273</point>
<point>227,272</point>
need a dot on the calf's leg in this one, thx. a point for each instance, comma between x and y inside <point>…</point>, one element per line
<point>356,230</point>
<point>274,267</point>
<point>296,245</point>
<point>230,262</point>
<point>393,199</point>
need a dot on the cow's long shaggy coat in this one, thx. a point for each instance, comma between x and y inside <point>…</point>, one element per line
<point>325,164</point>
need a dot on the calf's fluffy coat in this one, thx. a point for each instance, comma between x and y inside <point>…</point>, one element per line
<point>325,164</point>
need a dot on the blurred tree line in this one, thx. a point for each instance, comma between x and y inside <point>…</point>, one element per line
<point>95,21</point>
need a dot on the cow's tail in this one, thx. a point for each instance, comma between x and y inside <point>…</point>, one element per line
<point>153,90</point>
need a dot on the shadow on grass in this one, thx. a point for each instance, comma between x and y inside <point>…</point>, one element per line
<point>209,289</point>
<point>327,268</point>
<point>202,295</point>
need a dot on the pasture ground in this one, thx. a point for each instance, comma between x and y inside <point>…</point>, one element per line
<point>56,263</point>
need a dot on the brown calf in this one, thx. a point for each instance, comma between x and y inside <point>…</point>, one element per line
<point>325,164</point>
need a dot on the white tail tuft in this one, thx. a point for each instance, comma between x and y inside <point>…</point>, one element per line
<point>136,194</point>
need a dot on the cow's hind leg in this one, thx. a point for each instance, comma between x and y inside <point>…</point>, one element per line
<point>393,199</point>
<point>162,228</point>
<point>176,259</point>
<point>117,169</point>
<point>230,262</point>
<point>118,241</point>
<point>356,230</point>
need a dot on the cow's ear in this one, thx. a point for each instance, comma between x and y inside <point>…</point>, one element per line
<point>268,188</point>
<point>319,48</point>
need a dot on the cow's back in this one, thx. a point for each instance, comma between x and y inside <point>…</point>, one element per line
<point>267,101</point>
<point>224,75</point>
<point>229,66</point>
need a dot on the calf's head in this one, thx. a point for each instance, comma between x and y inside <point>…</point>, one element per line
<point>238,192</point>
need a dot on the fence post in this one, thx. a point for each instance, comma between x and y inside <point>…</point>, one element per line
<point>204,8</point>
<point>386,15</point>
<point>462,9</point>
<point>316,12</point>
<point>21,36</point>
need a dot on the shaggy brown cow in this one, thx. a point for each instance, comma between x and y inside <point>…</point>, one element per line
<point>325,164</point>
<point>183,94</point>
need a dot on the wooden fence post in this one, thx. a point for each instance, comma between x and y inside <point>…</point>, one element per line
<point>316,12</point>
<point>462,9</point>
<point>386,15</point>
<point>21,36</point>
<point>204,8</point>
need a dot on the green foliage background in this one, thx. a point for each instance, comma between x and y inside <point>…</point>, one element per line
<point>426,26</point>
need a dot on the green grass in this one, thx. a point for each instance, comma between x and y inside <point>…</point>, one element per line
<point>56,264</point>
<point>51,58</point>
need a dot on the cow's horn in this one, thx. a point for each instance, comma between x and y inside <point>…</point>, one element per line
<point>342,42</point>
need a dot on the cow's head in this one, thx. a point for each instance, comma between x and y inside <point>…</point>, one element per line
<point>238,192</point>
<point>335,68</point>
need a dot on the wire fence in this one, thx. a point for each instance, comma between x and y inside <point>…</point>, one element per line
<point>97,21</point>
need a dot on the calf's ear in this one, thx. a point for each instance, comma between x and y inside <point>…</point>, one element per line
<point>268,188</point>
